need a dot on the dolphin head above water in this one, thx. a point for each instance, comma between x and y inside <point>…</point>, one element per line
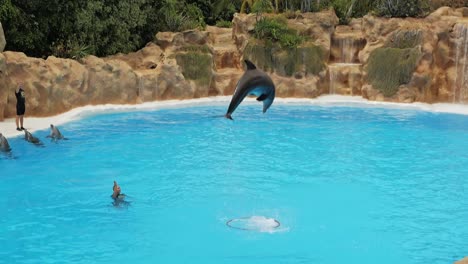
<point>55,133</point>
<point>29,137</point>
<point>253,82</point>
<point>4,146</point>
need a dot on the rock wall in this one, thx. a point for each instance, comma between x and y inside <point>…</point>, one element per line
<point>391,59</point>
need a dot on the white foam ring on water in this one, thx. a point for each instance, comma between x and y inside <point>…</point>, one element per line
<point>255,223</point>
<point>8,127</point>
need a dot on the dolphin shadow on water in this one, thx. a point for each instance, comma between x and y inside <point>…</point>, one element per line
<point>253,82</point>
<point>55,134</point>
<point>120,201</point>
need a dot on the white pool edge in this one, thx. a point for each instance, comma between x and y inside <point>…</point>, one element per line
<point>8,127</point>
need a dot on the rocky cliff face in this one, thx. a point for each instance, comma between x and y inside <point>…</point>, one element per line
<point>402,60</point>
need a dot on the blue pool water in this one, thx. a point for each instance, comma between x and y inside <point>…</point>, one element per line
<point>348,185</point>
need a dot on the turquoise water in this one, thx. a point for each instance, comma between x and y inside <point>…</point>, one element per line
<point>348,185</point>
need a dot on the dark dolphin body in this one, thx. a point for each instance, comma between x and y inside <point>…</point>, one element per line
<point>4,146</point>
<point>30,138</point>
<point>55,133</point>
<point>253,82</point>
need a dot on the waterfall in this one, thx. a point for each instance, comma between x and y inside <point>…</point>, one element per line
<point>345,78</point>
<point>334,74</point>
<point>347,48</point>
<point>460,86</point>
<point>141,86</point>
<point>344,71</point>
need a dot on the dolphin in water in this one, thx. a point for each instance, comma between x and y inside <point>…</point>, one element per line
<point>30,138</point>
<point>55,133</point>
<point>253,82</point>
<point>4,146</point>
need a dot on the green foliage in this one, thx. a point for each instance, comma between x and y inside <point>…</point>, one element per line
<point>434,4</point>
<point>313,58</point>
<point>286,61</point>
<point>308,5</point>
<point>218,10</point>
<point>341,8</point>
<point>178,16</point>
<point>347,9</point>
<point>399,8</point>
<point>388,68</point>
<point>80,51</point>
<point>103,27</point>
<point>195,48</point>
<point>196,66</point>
<point>109,29</point>
<point>42,28</point>
<point>224,24</point>
<point>404,39</point>
<point>21,29</point>
<point>262,6</point>
<point>276,30</point>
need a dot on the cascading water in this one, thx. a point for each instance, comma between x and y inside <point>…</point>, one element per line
<point>141,86</point>
<point>344,72</point>
<point>348,49</point>
<point>334,71</point>
<point>460,86</point>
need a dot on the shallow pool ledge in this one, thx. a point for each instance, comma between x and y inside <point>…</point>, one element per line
<point>8,127</point>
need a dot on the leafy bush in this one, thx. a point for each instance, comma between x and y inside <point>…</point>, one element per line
<point>224,24</point>
<point>388,68</point>
<point>399,8</point>
<point>451,3</point>
<point>71,49</point>
<point>404,39</point>
<point>179,17</point>
<point>262,6</point>
<point>276,30</point>
<point>347,9</point>
<point>286,61</point>
<point>196,66</point>
<point>195,48</point>
<point>310,5</point>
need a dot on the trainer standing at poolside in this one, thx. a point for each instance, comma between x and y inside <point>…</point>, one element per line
<point>20,106</point>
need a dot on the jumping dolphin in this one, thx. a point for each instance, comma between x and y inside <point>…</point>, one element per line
<point>253,82</point>
<point>29,137</point>
<point>55,133</point>
<point>4,146</point>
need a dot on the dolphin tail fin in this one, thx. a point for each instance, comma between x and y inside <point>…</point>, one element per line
<point>250,65</point>
<point>228,116</point>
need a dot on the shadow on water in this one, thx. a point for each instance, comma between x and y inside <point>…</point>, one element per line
<point>7,154</point>
<point>36,143</point>
<point>120,203</point>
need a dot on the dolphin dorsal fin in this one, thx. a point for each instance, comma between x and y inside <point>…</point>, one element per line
<point>250,65</point>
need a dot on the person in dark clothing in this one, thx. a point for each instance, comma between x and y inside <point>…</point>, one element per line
<point>20,106</point>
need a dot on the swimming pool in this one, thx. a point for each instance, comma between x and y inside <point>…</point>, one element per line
<point>347,184</point>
